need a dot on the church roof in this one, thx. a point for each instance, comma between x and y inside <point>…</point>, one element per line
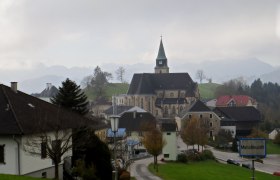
<point>147,83</point>
<point>161,52</point>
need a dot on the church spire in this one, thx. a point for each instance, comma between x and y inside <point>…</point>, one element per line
<point>161,52</point>
<point>161,61</point>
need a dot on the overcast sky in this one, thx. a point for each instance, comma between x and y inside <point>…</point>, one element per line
<point>88,33</point>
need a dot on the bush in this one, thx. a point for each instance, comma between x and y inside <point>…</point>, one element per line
<point>182,158</point>
<point>207,154</point>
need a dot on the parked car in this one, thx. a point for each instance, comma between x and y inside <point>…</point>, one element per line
<point>231,161</point>
<point>277,173</point>
<point>247,165</point>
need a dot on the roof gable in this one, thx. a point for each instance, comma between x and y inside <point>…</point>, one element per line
<point>199,106</point>
<point>240,100</point>
<point>21,113</point>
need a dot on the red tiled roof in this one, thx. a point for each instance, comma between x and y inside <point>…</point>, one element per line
<point>240,100</point>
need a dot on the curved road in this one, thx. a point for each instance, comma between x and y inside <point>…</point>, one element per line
<point>139,170</point>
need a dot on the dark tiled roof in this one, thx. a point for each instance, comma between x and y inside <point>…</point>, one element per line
<point>48,92</point>
<point>21,113</point>
<point>119,109</point>
<point>247,113</point>
<point>160,101</point>
<point>168,125</point>
<point>199,106</point>
<point>131,123</point>
<point>147,83</point>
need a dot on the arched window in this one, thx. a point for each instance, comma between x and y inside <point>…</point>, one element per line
<point>166,110</point>
<point>141,103</point>
<point>172,94</point>
<point>173,110</point>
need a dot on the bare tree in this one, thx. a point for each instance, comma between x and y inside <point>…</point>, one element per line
<point>200,75</point>
<point>53,145</point>
<point>120,74</point>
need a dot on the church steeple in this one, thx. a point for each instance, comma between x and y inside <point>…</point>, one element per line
<point>161,61</point>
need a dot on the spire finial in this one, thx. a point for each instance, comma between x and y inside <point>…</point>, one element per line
<point>161,37</point>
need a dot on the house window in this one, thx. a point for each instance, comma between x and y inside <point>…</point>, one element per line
<point>44,174</point>
<point>168,133</point>
<point>211,133</point>
<point>211,115</point>
<point>2,154</point>
<point>211,124</point>
<point>166,155</point>
<point>190,116</point>
<point>44,150</point>
<point>200,116</point>
<point>181,108</point>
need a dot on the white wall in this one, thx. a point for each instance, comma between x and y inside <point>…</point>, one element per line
<point>10,156</point>
<point>171,146</point>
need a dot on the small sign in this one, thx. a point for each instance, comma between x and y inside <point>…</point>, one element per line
<point>252,147</point>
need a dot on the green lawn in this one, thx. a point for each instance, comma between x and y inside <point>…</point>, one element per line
<point>13,177</point>
<point>272,148</point>
<point>206,170</point>
<point>207,90</point>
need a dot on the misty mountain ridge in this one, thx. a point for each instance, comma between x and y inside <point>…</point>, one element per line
<point>34,80</point>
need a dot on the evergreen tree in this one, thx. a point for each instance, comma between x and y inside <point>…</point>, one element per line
<point>70,96</point>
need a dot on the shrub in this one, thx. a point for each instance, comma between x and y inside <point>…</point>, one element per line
<point>182,158</point>
<point>207,154</point>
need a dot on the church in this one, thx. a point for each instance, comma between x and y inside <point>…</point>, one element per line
<point>161,93</point>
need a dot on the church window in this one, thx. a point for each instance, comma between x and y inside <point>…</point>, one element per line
<point>182,94</point>
<point>181,108</point>
<point>172,94</point>
<point>141,103</point>
<point>211,115</point>
<point>166,110</point>
<point>173,110</point>
<point>159,62</point>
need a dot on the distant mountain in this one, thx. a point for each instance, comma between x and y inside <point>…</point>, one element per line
<point>34,80</point>
<point>273,76</point>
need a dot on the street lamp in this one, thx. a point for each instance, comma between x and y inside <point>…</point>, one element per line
<point>114,126</point>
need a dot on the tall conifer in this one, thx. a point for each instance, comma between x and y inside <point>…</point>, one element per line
<point>70,96</point>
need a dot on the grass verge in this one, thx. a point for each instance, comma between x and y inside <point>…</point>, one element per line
<point>206,170</point>
<point>272,148</point>
<point>14,177</point>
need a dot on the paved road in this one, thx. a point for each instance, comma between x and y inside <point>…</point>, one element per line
<point>270,164</point>
<point>140,171</point>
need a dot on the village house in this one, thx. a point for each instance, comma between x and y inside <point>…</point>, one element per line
<point>24,118</point>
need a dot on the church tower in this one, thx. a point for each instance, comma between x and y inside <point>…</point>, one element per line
<point>161,61</point>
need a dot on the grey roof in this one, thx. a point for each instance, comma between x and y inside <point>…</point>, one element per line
<point>161,52</point>
<point>168,125</point>
<point>134,121</point>
<point>147,83</point>
<point>119,110</point>
<point>21,113</point>
<point>239,114</point>
<point>48,92</point>
<point>199,106</point>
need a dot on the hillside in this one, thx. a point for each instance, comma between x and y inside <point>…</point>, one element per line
<point>207,90</point>
<point>111,89</point>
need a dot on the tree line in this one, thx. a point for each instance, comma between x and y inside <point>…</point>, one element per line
<point>266,94</point>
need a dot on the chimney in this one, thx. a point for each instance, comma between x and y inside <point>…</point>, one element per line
<point>14,86</point>
<point>49,85</point>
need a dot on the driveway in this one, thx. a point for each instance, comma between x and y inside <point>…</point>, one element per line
<point>139,169</point>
